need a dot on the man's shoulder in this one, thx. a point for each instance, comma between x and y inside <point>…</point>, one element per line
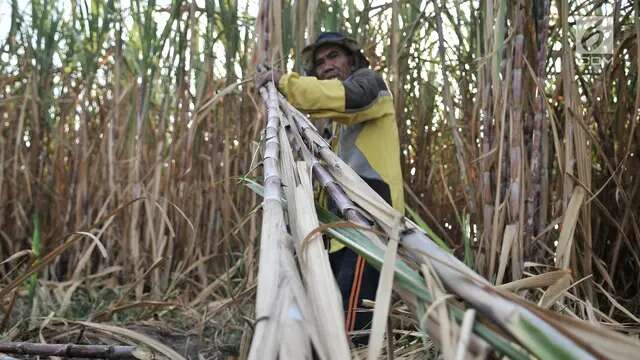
<point>364,73</point>
<point>369,78</point>
<point>362,89</point>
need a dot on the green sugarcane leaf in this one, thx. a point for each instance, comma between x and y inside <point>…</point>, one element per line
<point>36,248</point>
<point>466,237</point>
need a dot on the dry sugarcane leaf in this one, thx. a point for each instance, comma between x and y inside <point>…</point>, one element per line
<point>537,281</point>
<point>84,260</point>
<point>220,280</point>
<point>555,291</point>
<point>617,305</point>
<point>202,111</point>
<point>465,334</point>
<point>43,325</point>
<point>476,347</point>
<point>18,255</point>
<point>87,255</point>
<point>565,241</point>
<point>66,300</point>
<point>510,232</point>
<point>439,310</point>
<point>603,271</point>
<point>315,266</point>
<point>134,335</point>
<point>383,295</point>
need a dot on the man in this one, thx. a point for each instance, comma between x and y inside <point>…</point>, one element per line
<point>343,88</point>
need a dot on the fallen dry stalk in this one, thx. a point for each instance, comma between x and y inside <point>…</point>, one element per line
<point>76,351</point>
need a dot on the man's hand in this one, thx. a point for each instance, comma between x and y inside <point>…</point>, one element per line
<point>263,77</point>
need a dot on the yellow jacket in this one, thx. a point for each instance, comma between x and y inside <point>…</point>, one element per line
<point>368,140</point>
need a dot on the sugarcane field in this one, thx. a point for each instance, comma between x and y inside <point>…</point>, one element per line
<point>319,179</point>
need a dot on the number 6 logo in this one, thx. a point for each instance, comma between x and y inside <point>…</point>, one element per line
<point>594,35</point>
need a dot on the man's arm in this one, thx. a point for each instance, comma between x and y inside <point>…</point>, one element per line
<point>348,101</point>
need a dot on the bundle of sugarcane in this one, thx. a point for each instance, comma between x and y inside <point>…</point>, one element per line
<point>397,246</point>
<point>291,315</point>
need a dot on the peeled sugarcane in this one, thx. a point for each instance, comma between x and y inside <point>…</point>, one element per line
<point>274,232</point>
<point>532,327</point>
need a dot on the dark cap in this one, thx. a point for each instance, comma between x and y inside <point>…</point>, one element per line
<point>332,38</point>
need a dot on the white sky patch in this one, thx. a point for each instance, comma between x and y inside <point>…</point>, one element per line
<point>5,15</point>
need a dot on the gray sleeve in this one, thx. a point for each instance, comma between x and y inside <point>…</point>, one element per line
<point>362,89</point>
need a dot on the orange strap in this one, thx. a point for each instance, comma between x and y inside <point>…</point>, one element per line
<point>355,294</point>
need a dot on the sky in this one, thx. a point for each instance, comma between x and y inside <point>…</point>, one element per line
<point>5,15</point>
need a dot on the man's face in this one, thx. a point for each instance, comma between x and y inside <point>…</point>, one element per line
<point>332,62</point>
